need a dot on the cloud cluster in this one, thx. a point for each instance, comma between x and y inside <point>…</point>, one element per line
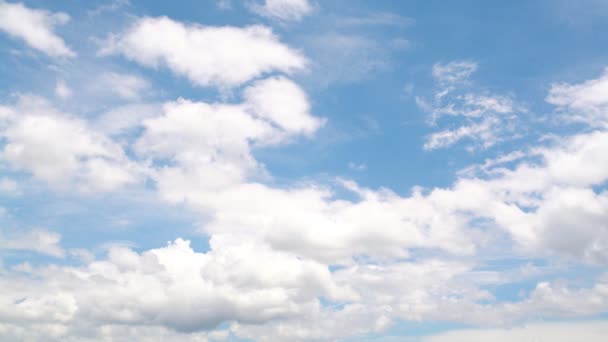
<point>301,262</point>
<point>61,149</point>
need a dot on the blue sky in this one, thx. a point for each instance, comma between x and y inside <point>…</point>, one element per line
<point>298,170</point>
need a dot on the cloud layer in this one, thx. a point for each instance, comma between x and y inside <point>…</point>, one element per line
<point>288,258</point>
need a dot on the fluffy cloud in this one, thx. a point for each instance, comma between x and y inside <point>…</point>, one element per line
<point>184,291</point>
<point>312,222</point>
<point>302,262</point>
<point>282,102</point>
<point>208,56</point>
<point>283,10</point>
<point>35,27</point>
<point>209,146</point>
<point>259,292</point>
<point>61,149</point>
<point>547,205</point>
<point>201,154</point>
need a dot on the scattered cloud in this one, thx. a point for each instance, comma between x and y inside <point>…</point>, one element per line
<point>62,149</point>
<point>282,10</point>
<point>62,90</point>
<point>297,259</point>
<point>127,86</point>
<point>9,186</point>
<point>190,50</point>
<point>471,114</point>
<point>36,240</point>
<point>586,102</point>
<point>35,27</point>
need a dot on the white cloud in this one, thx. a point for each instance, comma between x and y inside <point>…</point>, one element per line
<point>126,86</point>
<point>283,102</point>
<point>209,145</point>
<point>62,150</point>
<point>122,119</point>
<point>594,331</point>
<point>283,10</point>
<point>585,102</point>
<point>340,265</point>
<point>454,72</point>
<point>224,4</point>
<point>374,19</point>
<point>310,221</point>
<point>62,90</point>
<point>35,27</point>
<point>549,205</point>
<point>185,291</point>
<point>37,240</point>
<point>471,114</point>
<point>339,57</point>
<point>208,56</point>
<point>9,186</point>
<point>483,131</point>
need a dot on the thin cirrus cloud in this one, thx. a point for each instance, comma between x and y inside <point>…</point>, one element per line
<point>35,27</point>
<point>127,86</point>
<point>473,115</point>
<point>282,10</point>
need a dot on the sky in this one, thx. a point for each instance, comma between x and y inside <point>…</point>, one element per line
<point>303,170</point>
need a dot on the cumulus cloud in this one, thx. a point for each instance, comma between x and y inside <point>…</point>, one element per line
<point>210,145</point>
<point>185,291</point>
<point>259,292</point>
<point>309,261</point>
<point>283,10</point>
<point>193,51</point>
<point>35,27</point>
<point>284,103</point>
<point>62,149</point>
